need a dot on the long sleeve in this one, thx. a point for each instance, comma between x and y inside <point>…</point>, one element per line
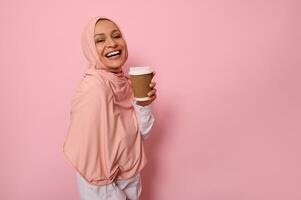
<point>145,118</point>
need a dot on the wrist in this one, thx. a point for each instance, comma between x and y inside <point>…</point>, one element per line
<point>143,103</point>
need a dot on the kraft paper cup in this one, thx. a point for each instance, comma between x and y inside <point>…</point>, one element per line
<point>141,77</point>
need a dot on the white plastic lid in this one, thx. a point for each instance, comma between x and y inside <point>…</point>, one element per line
<point>140,70</point>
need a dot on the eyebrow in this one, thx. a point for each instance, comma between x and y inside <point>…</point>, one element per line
<point>103,33</point>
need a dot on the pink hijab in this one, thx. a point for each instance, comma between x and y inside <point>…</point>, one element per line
<point>103,142</point>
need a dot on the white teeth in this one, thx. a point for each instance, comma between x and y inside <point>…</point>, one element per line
<point>113,53</point>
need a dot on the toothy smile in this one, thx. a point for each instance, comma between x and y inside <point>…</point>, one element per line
<point>113,53</point>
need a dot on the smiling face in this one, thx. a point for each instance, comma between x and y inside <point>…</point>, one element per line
<point>110,45</point>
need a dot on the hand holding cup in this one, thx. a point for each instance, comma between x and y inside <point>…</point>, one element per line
<point>142,84</point>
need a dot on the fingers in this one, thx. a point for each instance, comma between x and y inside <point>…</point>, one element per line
<point>152,95</point>
<point>152,98</point>
<point>152,84</point>
<point>152,92</point>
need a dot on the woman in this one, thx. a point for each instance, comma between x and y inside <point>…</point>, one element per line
<point>104,140</point>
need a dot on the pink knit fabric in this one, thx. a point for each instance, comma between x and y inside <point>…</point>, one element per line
<point>103,142</point>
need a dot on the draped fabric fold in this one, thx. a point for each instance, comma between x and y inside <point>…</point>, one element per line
<point>103,142</point>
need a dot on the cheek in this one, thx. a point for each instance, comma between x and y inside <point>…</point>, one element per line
<point>99,50</point>
<point>122,43</point>
<point>125,48</point>
<point>126,53</point>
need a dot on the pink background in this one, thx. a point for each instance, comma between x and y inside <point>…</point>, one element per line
<point>228,109</point>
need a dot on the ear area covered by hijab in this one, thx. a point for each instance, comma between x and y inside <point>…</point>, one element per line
<point>88,44</point>
<point>103,142</point>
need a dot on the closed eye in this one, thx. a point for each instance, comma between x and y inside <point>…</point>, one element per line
<point>117,36</point>
<point>101,40</point>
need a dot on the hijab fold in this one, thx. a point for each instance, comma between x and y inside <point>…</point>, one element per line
<point>103,142</point>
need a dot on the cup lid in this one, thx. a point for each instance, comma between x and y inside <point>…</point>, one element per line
<point>140,70</point>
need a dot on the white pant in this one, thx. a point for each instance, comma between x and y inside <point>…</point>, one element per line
<point>117,190</point>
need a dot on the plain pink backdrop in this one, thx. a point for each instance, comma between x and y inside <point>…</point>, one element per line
<point>228,109</point>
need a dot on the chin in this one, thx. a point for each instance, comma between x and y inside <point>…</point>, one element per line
<point>115,64</point>
<point>114,67</point>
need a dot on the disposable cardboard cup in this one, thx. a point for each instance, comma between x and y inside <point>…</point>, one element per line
<point>141,77</point>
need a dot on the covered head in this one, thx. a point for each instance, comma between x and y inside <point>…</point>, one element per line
<point>104,45</point>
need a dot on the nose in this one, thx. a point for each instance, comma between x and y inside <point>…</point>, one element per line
<point>111,43</point>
